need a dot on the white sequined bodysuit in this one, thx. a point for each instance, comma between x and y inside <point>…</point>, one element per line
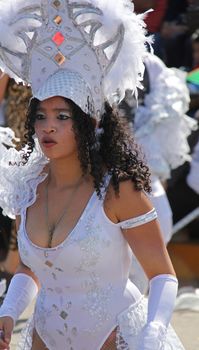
<point>84,281</point>
<point>85,291</point>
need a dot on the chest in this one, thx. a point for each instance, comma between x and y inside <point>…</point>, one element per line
<point>92,246</point>
<point>61,212</point>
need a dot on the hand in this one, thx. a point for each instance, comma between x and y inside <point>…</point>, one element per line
<point>152,336</point>
<point>6,329</point>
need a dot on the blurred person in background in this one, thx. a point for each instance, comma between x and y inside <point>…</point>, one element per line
<point>13,106</point>
<point>5,222</point>
<point>192,15</point>
<point>154,21</point>
<point>183,194</point>
<point>180,22</point>
<point>195,48</point>
<point>175,34</point>
<point>193,76</point>
<point>161,126</point>
<point>193,176</point>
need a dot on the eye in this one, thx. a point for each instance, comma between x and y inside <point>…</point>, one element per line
<point>39,116</point>
<point>64,116</point>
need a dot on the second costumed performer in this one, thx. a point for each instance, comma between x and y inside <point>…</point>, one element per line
<point>78,188</point>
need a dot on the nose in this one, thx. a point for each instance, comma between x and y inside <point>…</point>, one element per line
<point>49,128</point>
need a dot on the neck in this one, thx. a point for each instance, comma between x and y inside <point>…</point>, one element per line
<point>65,172</point>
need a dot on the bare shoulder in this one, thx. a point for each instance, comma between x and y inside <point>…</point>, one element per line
<point>131,202</point>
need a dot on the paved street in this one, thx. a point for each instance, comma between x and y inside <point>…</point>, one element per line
<point>186,324</point>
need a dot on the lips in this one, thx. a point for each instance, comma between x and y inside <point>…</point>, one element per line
<point>48,141</point>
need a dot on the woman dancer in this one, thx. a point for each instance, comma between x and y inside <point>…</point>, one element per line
<point>14,99</point>
<point>79,187</point>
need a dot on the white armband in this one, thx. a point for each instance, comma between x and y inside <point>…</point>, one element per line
<point>21,292</point>
<point>162,296</point>
<point>139,220</point>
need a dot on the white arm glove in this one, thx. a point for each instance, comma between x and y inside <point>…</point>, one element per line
<point>162,296</point>
<point>21,292</point>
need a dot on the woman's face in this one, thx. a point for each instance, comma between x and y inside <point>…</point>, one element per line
<point>54,128</point>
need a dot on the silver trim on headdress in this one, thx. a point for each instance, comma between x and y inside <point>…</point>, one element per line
<point>91,40</point>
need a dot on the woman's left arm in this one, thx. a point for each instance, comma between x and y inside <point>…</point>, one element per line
<point>147,243</point>
<point>145,239</point>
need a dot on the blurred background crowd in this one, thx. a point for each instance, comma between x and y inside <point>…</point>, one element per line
<point>175,26</point>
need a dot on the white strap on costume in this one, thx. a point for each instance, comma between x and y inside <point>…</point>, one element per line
<point>139,220</point>
<point>21,292</point>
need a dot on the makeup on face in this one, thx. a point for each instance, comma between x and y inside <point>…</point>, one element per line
<point>54,127</point>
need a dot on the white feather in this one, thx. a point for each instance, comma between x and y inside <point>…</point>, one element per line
<point>127,72</point>
<point>12,23</point>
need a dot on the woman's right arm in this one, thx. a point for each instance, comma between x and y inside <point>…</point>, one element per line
<point>22,290</point>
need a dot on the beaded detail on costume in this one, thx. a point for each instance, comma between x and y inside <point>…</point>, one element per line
<point>140,220</point>
<point>25,341</point>
<point>131,325</point>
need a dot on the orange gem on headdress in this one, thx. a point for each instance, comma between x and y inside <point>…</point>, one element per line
<point>59,58</point>
<point>58,20</point>
<point>58,38</point>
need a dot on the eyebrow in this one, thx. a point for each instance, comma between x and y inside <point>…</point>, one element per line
<point>55,109</point>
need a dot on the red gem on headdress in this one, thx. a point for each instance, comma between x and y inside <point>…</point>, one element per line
<point>58,38</point>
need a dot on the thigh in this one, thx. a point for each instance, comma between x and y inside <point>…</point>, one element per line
<point>37,343</point>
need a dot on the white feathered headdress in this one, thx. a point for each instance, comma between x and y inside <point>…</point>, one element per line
<point>82,50</point>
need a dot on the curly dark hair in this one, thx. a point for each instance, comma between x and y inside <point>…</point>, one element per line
<point>111,150</point>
